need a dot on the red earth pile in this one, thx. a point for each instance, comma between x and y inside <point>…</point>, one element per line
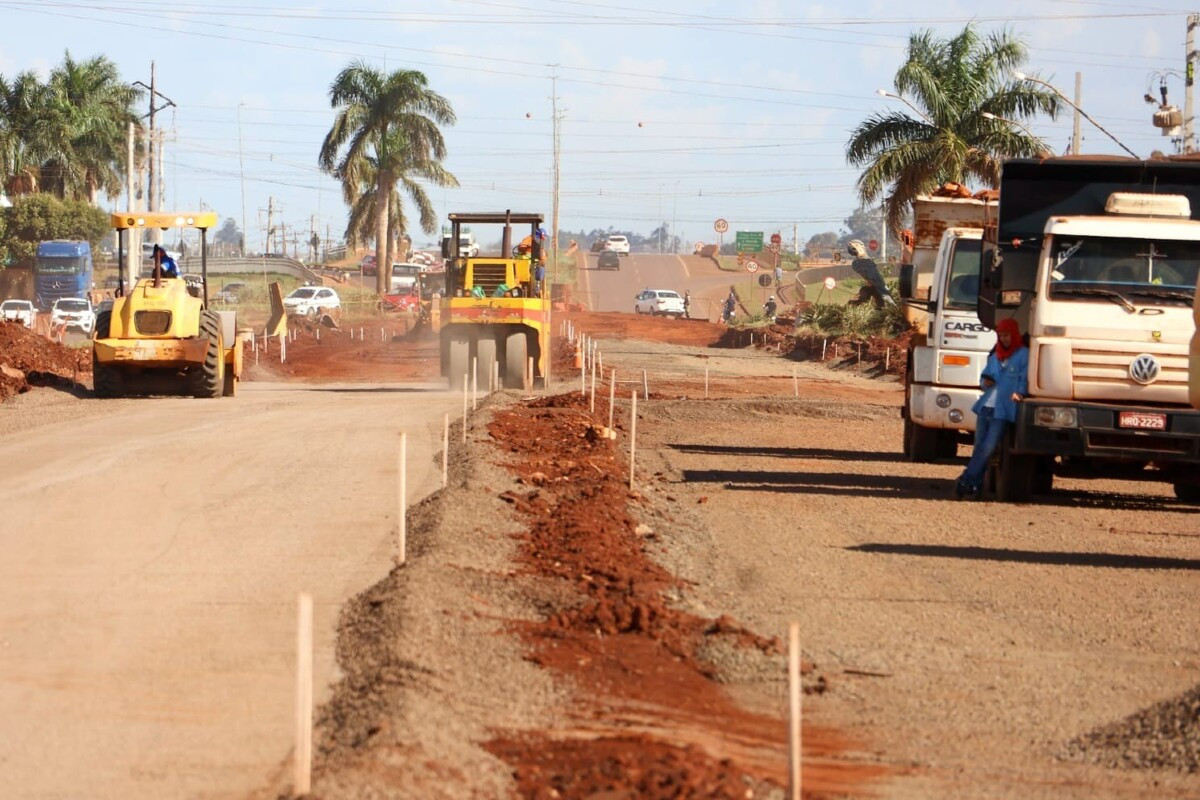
<point>27,359</point>
<point>649,720</point>
<point>370,351</point>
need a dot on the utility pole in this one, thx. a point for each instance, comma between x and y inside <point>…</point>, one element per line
<point>795,239</point>
<point>1076,138</point>
<point>133,253</point>
<point>1189,122</point>
<point>270,224</point>
<point>153,141</point>
<point>242,176</point>
<point>557,164</point>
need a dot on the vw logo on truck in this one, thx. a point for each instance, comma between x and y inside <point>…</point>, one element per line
<point>1144,369</point>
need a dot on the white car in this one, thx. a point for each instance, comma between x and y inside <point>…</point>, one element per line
<point>73,313</point>
<point>21,311</point>
<point>659,301</point>
<point>308,301</point>
<point>618,244</point>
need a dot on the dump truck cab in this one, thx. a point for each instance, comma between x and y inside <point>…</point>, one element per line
<point>493,314</point>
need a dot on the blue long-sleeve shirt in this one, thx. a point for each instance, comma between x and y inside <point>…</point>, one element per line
<point>1011,376</point>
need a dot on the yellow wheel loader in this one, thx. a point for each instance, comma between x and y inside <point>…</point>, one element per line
<point>160,336</point>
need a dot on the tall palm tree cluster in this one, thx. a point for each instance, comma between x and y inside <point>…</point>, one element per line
<point>384,142</point>
<point>65,136</point>
<point>949,84</point>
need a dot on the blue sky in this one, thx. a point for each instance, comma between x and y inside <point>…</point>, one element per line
<point>671,110</point>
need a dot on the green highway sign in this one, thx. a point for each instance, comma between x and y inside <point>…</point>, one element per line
<point>749,241</point>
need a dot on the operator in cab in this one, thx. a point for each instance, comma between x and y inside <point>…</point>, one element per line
<point>169,268</point>
<point>534,246</point>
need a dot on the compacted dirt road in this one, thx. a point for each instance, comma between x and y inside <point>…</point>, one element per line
<point>153,550</point>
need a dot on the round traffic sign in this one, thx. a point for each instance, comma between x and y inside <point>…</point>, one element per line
<point>720,226</point>
<point>830,283</point>
<point>698,247</point>
<point>764,280</point>
<point>751,266</point>
<point>774,247</point>
<point>776,238</point>
<point>873,245</point>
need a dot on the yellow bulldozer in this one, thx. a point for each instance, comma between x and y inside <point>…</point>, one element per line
<point>160,336</point>
<point>493,310</point>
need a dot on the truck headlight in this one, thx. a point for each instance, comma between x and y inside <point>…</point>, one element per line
<point>943,401</point>
<point>956,416</point>
<point>1056,417</point>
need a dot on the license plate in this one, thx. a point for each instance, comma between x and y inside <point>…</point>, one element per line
<point>1136,419</point>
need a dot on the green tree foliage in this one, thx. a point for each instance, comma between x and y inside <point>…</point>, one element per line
<point>383,142</point>
<point>66,136</point>
<point>41,217</point>
<point>941,135</point>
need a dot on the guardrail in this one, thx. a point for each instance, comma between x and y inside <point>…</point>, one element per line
<point>229,265</point>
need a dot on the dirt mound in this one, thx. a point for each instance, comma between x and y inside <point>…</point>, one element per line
<point>387,351</point>
<point>651,714</point>
<point>27,359</point>
<point>620,325</point>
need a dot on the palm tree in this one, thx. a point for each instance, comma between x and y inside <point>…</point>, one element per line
<point>949,83</point>
<point>21,147</point>
<point>388,124</point>
<point>89,110</point>
<point>358,191</point>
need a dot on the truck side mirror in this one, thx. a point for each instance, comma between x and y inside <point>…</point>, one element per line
<point>908,274</point>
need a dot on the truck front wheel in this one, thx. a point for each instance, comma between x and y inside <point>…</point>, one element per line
<point>1187,492</point>
<point>926,445</point>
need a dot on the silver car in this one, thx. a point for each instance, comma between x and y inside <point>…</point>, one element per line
<point>659,302</point>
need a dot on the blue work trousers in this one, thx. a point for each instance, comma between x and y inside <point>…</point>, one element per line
<point>988,433</point>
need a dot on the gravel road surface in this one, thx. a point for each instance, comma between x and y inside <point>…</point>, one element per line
<point>152,554</point>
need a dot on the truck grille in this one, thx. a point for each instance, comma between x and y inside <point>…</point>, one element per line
<point>488,276</point>
<point>1112,366</point>
<point>152,323</point>
<point>1149,443</point>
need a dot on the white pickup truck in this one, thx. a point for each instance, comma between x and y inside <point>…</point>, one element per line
<point>21,311</point>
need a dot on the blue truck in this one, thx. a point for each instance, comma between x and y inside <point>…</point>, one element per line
<point>61,269</point>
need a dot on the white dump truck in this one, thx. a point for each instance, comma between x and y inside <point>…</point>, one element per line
<point>940,289</point>
<point>1097,259</point>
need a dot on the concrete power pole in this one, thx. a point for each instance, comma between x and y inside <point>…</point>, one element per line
<point>270,224</point>
<point>132,240</point>
<point>1076,138</point>
<point>153,148</point>
<point>557,151</point>
<point>1189,122</point>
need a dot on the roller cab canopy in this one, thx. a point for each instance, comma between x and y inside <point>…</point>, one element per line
<point>164,219</point>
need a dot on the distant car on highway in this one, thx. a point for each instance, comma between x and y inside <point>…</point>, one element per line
<point>308,301</point>
<point>368,265</point>
<point>21,311</point>
<point>229,293</point>
<point>608,260</point>
<point>73,313</point>
<point>617,244</point>
<point>659,302</point>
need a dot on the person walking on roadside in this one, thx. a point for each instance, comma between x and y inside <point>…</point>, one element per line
<point>1005,382</point>
<point>727,311</point>
<point>687,303</point>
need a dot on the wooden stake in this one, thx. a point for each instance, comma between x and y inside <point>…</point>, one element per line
<point>795,383</point>
<point>466,387</point>
<point>824,344</point>
<point>282,348</point>
<point>302,759</point>
<point>612,396</point>
<point>474,382</point>
<point>706,381</point>
<point>445,450</point>
<point>402,534</point>
<point>529,374</point>
<point>593,401</point>
<point>583,377</point>
<point>794,730</point>
<point>645,386</point>
<point>887,359</point>
<point>632,437</point>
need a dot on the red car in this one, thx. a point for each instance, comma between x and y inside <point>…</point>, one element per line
<point>368,265</point>
<point>400,302</point>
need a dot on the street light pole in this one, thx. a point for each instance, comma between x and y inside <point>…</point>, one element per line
<point>1023,77</point>
<point>919,112</point>
<point>674,217</point>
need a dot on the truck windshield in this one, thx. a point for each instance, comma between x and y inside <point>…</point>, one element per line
<point>1124,271</point>
<point>962,288</point>
<point>60,265</point>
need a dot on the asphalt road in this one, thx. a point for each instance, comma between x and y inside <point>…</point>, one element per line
<point>615,290</point>
<point>151,557</point>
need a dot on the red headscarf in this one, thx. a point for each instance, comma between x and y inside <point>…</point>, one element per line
<point>1009,326</point>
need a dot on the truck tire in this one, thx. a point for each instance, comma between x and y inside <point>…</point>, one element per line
<point>1187,492</point>
<point>926,445</point>
<point>208,378</point>
<point>1043,476</point>
<point>106,380</point>
<point>1014,475</point>
<point>485,357</point>
<point>459,360</point>
<point>516,355</point>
